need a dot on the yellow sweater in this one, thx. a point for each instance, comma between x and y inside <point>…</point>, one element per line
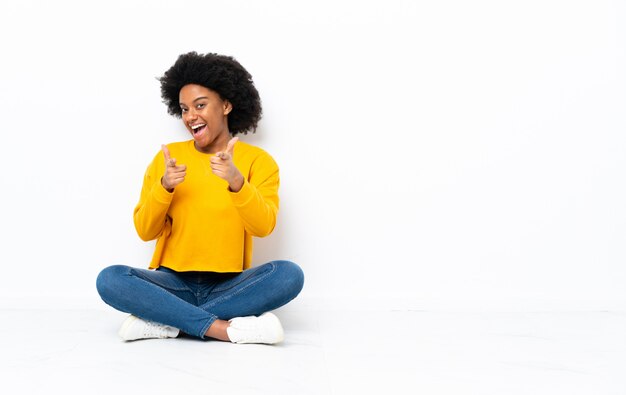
<point>202,226</point>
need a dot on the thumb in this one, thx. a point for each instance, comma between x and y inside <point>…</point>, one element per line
<point>231,146</point>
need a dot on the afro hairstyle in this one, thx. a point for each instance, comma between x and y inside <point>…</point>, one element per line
<point>221,74</point>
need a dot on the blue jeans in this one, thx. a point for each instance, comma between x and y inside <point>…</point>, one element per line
<point>192,301</point>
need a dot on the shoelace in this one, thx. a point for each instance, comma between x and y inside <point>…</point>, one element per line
<point>254,333</point>
<point>154,329</point>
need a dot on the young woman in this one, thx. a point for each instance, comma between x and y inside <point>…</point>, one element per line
<point>203,200</point>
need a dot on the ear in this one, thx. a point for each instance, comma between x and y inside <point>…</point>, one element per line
<point>227,107</point>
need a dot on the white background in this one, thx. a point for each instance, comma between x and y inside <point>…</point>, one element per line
<point>433,154</point>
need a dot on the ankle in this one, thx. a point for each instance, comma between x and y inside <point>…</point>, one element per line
<point>217,330</point>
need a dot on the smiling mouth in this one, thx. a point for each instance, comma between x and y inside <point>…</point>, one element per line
<point>196,129</point>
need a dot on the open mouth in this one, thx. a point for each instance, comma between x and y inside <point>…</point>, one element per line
<point>197,129</point>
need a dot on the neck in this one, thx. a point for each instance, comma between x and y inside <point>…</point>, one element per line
<point>219,144</point>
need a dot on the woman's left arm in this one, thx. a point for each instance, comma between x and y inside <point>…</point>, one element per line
<point>257,200</point>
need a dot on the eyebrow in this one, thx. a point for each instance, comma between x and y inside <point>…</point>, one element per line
<point>195,100</point>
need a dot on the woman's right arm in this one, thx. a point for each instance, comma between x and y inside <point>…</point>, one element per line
<point>150,213</point>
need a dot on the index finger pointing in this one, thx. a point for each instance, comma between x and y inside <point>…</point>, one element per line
<point>231,145</point>
<point>166,154</point>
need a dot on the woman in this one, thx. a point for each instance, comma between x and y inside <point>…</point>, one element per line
<point>203,200</point>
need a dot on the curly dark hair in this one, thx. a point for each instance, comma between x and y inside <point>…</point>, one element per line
<point>223,75</point>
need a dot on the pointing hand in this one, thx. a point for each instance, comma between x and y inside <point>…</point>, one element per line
<point>174,174</point>
<point>222,166</point>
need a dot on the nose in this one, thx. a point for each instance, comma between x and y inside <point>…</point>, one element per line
<point>190,115</point>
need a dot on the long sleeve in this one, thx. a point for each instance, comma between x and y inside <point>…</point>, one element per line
<point>150,214</point>
<point>202,226</point>
<point>257,201</point>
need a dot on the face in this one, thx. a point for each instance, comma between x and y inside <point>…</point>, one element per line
<point>205,116</point>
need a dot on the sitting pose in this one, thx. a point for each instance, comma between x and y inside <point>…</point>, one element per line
<point>203,200</point>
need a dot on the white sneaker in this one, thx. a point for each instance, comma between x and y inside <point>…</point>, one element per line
<point>265,329</point>
<point>135,328</point>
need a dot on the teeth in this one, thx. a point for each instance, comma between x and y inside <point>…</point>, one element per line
<point>194,127</point>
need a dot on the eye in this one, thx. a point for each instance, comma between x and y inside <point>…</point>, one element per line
<point>183,110</point>
<point>199,106</point>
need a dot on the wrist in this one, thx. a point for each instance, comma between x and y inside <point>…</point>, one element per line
<point>236,184</point>
<point>170,190</point>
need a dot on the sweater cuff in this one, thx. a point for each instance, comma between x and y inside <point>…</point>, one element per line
<point>244,195</point>
<point>161,194</point>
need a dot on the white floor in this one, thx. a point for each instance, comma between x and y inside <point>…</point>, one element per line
<point>325,352</point>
